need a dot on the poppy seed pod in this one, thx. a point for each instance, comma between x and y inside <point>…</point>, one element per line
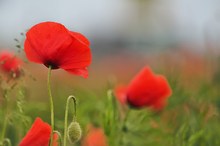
<point>74,132</point>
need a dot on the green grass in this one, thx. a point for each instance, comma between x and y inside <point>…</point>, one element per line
<point>191,117</point>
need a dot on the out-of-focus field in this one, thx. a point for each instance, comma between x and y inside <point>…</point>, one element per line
<point>191,117</point>
<point>176,38</point>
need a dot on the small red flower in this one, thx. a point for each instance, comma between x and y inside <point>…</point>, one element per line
<point>39,135</point>
<point>52,44</point>
<point>145,90</point>
<point>95,137</point>
<point>9,63</point>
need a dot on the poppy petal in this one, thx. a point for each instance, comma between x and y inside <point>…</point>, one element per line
<point>148,89</point>
<point>79,71</point>
<point>38,135</point>
<point>140,88</point>
<point>120,93</point>
<point>95,137</point>
<point>163,91</point>
<point>10,63</point>
<point>80,37</point>
<point>51,44</point>
<point>32,53</point>
<point>45,40</point>
<point>78,55</point>
<point>55,139</point>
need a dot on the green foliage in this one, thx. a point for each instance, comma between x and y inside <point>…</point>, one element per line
<point>191,117</point>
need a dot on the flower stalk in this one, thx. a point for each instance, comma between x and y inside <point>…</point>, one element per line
<point>5,119</point>
<point>51,105</point>
<point>71,97</point>
<point>4,128</point>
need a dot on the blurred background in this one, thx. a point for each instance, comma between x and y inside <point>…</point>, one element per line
<point>177,38</point>
<point>113,25</point>
<point>123,32</point>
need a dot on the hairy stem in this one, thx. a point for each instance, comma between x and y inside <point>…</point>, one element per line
<point>66,116</point>
<point>51,105</point>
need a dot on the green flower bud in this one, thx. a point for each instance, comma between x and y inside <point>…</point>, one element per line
<point>74,132</point>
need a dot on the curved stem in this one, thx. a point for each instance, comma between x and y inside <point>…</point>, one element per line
<point>51,105</point>
<point>66,116</point>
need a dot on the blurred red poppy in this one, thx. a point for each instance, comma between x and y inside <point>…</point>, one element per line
<point>9,63</point>
<point>52,44</point>
<point>145,90</point>
<point>39,135</point>
<point>95,137</point>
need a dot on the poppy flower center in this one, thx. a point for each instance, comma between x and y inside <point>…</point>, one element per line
<point>52,64</point>
<point>132,104</point>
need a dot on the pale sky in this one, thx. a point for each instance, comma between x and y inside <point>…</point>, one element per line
<point>184,19</point>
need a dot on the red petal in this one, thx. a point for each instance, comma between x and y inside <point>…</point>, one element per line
<point>140,88</point>
<point>52,44</point>
<point>164,91</point>
<point>80,37</point>
<point>38,135</point>
<point>159,105</point>
<point>79,71</point>
<point>9,62</point>
<point>147,89</point>
<point>55,139</point>
<point>45,40</point>
<point>120,93</point>
<point>95,137</point>
<point>77,55</point>
<point>31,53</point>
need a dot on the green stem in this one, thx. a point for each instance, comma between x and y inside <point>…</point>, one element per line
<point>124,128</point>
<point>4,128</point>
<point>5,120</point>
<point>51,105</point>
<point>66,116</point>
<point>111,118</point>
<point>126,118</point>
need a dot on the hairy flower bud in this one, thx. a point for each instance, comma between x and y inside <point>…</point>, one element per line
<point>74,132</point>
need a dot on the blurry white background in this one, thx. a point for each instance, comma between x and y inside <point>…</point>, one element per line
<point>123,23</point>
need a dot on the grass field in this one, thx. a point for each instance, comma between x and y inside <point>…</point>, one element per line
<point>191,117</point>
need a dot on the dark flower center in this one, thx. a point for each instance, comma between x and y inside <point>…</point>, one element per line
<point>132,105</point>
<point>51,64</point>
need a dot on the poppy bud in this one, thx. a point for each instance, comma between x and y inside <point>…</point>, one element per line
<point>74,132</point>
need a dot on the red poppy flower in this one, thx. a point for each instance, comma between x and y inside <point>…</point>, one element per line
<point>95,137</point>
<point>39,135</point>
<point>52,44</point>
<point>10,64</point>
<point>145,90</point>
